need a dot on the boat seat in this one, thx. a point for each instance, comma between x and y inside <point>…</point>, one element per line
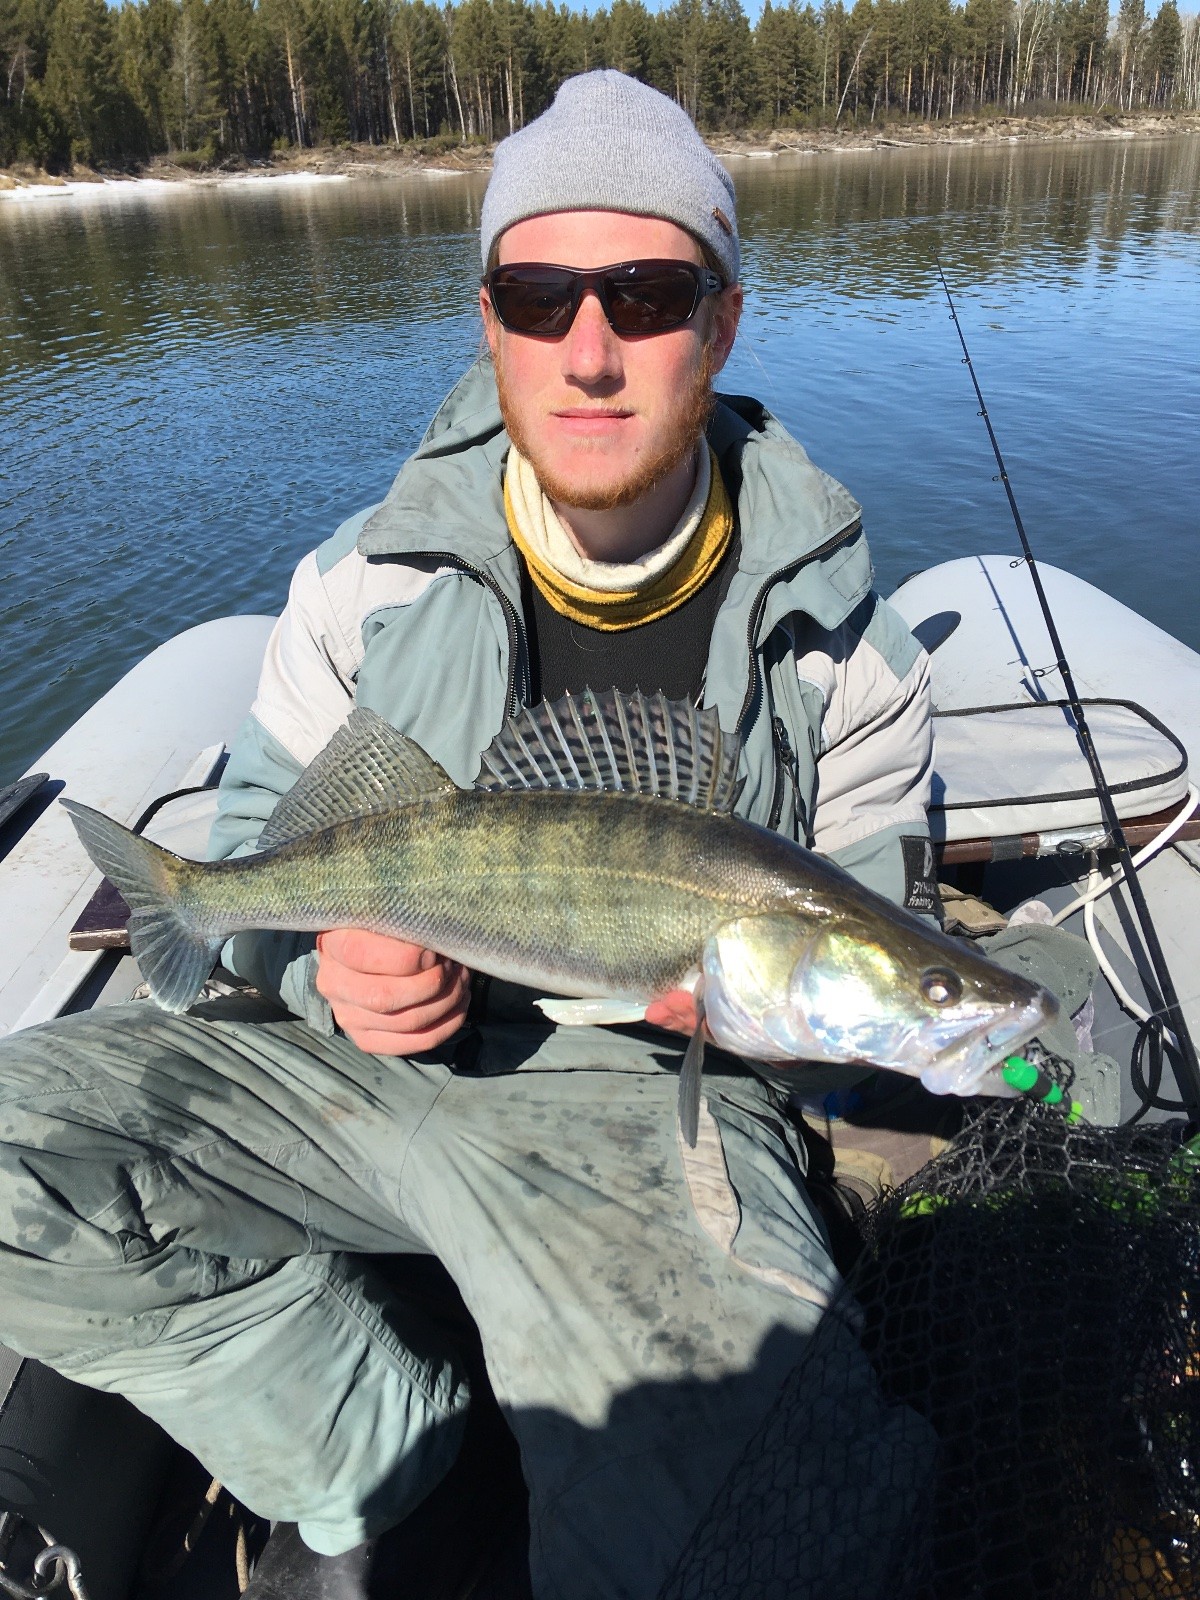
<point>1009,781</point>
<point>1007,775</point>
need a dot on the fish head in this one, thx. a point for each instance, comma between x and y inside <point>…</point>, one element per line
<point>883,991</point>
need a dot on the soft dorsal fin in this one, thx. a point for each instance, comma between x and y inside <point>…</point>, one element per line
<point>637,744</point>
<point>366,768</point>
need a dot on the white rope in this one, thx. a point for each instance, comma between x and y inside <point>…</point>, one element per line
<point>1099,885</point>
<point>1143,855</point>
<point>1124,998</point>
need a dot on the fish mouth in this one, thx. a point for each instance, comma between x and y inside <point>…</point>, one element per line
<point>962,1069</point>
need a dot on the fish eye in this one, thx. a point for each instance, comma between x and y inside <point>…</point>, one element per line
<point>940,986</point>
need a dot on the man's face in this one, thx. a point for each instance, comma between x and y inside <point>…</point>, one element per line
<point>603,418</point>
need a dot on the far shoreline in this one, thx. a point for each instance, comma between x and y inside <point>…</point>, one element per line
<point>436,158</point>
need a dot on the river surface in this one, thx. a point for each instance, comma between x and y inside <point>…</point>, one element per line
<point>196,387</point>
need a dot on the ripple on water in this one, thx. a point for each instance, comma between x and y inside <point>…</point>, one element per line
<point>197,386</point>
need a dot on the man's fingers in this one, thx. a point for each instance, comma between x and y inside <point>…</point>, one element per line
<point>419,1019</point>
<point>388,996</point>
<point>675,1010</point>
<point>378,1043</point>
<point>375,952</point>
<point>358,1011</point>
<point>413,1029</point>
<point>377,992</point>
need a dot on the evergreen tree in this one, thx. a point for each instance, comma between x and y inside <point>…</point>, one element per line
<point>82,80</point>
<point>82,86</point>
<point>240,72</point>
<point>685,40</point>
<point>628,42</point>
<point>418,51</point>
<point>191,105</point>
<point>31,129</point>
<point>1164,49</point>
<point>782,75</point>
<point>728,78</point>
<point>286,30</point>
<point>145,40</point>
<point>860,71</point>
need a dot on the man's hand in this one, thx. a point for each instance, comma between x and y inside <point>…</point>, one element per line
<point>390,997</point>
<point>676,1011</point>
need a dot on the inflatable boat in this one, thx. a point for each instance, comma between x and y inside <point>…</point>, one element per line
<point>122,1513</point>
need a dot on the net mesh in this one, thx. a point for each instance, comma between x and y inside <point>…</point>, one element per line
<point>1017,1410</point>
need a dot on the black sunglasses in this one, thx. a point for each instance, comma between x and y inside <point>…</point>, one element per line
<point>637,296</point>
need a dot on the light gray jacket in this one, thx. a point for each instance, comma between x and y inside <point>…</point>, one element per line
<point>413,608</point>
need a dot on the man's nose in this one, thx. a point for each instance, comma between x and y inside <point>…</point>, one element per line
<point>591,351</point>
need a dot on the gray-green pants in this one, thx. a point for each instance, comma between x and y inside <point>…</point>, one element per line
<point>186,1202</point>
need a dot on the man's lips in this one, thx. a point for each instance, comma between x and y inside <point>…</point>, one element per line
<point>577,419</point>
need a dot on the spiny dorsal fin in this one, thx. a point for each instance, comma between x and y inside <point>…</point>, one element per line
<point>366,768</point>
<point>635,744</point>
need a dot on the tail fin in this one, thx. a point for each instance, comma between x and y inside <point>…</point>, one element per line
<point>175,957</point>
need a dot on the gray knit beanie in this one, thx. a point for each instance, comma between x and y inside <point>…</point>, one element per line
<point>610,143</point>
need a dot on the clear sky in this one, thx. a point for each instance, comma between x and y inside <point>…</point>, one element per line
<point>753,8</point>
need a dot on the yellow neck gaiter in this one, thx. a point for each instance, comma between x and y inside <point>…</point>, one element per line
<point>615,609</point>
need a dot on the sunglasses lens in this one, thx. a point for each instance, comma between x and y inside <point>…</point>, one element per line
<point>533,299</point>
<point>645,298</point>
<point>639,296</point>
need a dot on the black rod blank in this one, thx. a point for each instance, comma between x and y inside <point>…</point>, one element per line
<point>1188,1072</point>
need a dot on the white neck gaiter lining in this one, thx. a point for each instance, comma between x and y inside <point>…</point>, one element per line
<point>543,531</point>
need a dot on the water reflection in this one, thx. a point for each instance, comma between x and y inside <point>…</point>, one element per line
<point>117,274</point>
<point>870,223</point>
<point>197,387</point>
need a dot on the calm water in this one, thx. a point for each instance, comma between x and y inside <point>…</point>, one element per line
<point>195,389</point>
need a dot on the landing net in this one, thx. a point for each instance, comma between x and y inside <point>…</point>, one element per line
<point>1030,1307</point>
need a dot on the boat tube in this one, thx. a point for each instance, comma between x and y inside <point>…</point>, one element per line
<point>1015,823</point>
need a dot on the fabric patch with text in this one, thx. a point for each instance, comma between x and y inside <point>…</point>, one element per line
<point>920,879</point>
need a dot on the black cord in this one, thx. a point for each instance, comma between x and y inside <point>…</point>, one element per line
<point>1151,1034</point>
<point>1187,1065</point>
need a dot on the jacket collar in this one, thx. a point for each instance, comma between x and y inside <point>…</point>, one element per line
<point>448,498</point>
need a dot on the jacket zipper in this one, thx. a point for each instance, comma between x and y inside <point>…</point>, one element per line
<point>511,621</point>
<point>785,763</point>
<point>760,600</point>
<point>513,624</point>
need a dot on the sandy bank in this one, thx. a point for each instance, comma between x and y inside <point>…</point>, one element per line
<point>982,130</point>
<point>338,163</point>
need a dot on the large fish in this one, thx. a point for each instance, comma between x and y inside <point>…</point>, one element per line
<point>596,858</point>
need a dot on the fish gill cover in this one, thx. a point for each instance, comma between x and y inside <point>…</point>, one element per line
<point>1030,1307</point>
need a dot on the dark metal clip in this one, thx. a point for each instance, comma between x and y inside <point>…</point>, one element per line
<point>53,1567</point>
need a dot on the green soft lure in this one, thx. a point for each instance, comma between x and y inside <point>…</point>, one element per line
<point>1024,1076</point>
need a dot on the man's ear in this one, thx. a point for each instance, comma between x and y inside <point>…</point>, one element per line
<point>726,314</point>
<point>491,323</point>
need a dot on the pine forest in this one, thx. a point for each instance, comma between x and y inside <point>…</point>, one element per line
<point>212,81</point>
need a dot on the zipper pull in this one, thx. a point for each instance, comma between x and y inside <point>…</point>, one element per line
<point>785,762</point>
<point>786,754</point>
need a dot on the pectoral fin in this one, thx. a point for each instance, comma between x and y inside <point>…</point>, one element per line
<point>591,1012</point>
<point>689,1079</point>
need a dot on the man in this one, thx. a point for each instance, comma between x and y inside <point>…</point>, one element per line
<point>187,1205</point>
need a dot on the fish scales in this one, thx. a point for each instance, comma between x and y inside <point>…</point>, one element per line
<point>570,868</point>
<point>608,894</point>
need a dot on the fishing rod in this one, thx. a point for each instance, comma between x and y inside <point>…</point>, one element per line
<point>1187,1067</point>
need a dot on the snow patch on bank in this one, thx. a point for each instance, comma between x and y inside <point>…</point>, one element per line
<point>130,188</point>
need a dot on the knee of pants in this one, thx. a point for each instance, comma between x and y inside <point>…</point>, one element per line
<point>64,1194</point>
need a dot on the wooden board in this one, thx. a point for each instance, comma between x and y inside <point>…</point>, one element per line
<point>1139,831</point>
<point>103,924</point>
